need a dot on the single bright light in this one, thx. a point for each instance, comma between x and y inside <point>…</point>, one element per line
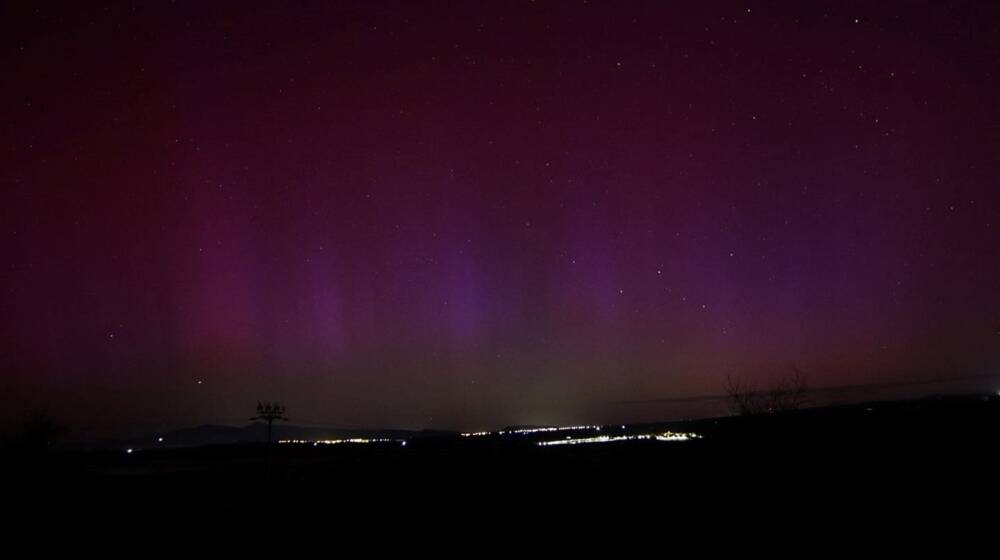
<point>129,450</point>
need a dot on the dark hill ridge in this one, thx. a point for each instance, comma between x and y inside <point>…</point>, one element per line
<point>875,455</point>
<point>916,415</point>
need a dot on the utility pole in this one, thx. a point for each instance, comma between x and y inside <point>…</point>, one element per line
<point>269,412</point>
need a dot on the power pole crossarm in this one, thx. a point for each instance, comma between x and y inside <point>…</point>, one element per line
<point>269,412</point>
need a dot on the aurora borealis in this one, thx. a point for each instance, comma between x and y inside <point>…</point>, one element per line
<point>467,215</point>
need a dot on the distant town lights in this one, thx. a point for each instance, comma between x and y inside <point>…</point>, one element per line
<point>664,436</point>
<point>531,430</point>
<point>318,442</point>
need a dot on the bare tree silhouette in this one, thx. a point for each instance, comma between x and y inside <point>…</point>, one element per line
<point>744,398</point>
<point>786,394</point>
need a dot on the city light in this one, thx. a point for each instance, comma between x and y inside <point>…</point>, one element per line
<point>664,436</point>
<point>568,440</point>
<point>318,442</point>
<point>521,431</point>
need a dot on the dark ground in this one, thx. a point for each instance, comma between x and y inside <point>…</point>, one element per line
<point>865,457</point>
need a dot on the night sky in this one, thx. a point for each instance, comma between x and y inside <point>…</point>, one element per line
<point>467,215</point>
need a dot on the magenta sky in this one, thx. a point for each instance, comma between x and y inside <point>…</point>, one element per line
<point>467,215</point>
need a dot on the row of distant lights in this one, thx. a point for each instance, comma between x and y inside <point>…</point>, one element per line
<point>319,442</point>
<point>664,436</point>
<point>532,430</point>
<point>316,443</point>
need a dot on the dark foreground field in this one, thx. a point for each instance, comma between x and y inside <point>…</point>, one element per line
<point>870,455</point>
